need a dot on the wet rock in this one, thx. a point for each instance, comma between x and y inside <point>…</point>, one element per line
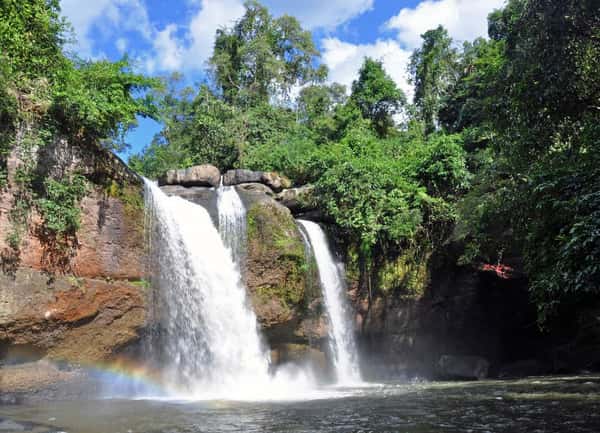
<point>463,367</point>
<point>204,196</point>
<point>78,319</point>
<point>200,175</point>
<point>7,425</point>
<point>275,181</point>
<point>86,301</point>
<point>276,272</point>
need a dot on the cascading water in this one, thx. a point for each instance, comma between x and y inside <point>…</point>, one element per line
<point>232,221</point>
<point>211,346</point>
<point>212,343</point>
<point>342,341</point>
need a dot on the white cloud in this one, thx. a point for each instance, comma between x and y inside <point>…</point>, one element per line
<point>108,15</point>
<point>212,15</point>
<point>170,51</point>
<point>326,14</point>
<point>168,55</point>
<point>345,59</point>
<point>464,19</point>
<point>121,45</point>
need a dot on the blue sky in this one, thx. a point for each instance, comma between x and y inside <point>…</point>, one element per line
<point>162,36</point>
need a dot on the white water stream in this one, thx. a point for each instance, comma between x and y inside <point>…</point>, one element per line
<point>341,332</point>
<point>232,222</point>
<point>211,344</point>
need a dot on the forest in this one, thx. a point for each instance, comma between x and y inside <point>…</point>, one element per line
<point>496,151</point>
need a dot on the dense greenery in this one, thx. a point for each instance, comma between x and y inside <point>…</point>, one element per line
<point>498,151</point>
<point>46,96</point>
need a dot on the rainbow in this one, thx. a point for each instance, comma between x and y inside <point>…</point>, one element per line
<point>127,372</point>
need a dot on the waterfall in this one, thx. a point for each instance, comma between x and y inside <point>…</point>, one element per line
<point>343,346</point>
<point>232,222</point>
<point>210,343</point>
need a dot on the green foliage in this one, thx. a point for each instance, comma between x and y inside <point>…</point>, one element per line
<point>432,69</point>
<point>32,34</point>
<point>500,148</point>
<point>59,206</point>
<point>533,90</point>
<point>101,100</point>
<point>377,96</point>
<point>262,56</point>
<point>316,107</point>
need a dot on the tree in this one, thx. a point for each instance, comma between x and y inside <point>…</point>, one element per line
<point>432,69</point>
<point>263,57</point>
<point>377,97</point>
<point>316,106</point>
<point>540,184</point>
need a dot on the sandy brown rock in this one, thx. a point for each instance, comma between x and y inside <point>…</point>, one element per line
<point>74,319</point>
<point>34,376</point>
<point>78,303</point>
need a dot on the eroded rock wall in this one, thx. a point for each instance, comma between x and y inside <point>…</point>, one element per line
<point>88,302</point>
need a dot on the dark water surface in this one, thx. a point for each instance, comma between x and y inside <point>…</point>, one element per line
<point>556,404</point>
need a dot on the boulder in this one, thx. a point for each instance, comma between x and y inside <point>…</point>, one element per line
<point>240,176</point>
<point>278,276</point>
<point>297,199</point>
<point>255,188</point>
<point>463,367</point>
<point>199,175</point>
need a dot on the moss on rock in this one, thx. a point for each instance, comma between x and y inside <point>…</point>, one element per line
<point>406,276</point>
<point>278,274</point>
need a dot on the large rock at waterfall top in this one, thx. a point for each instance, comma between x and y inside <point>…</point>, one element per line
<point>87,302</point>
<point>200,175</point>
<point>241,176</point>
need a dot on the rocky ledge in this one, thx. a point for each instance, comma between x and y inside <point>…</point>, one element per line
<point>209,176</point>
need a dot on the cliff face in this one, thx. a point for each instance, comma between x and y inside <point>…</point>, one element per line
<point>449,321</point>
<point>87,302</point>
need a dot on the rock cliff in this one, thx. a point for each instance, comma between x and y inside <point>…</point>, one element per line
<point>87,302</point>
